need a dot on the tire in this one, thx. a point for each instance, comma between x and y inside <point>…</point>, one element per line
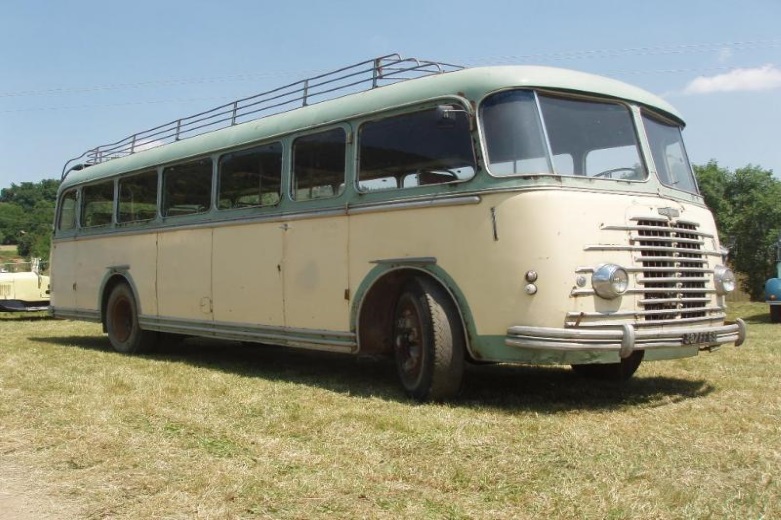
<point>775,314</point>
<point>621,371</point>
<point>124,332</point>
<point>428,342</point>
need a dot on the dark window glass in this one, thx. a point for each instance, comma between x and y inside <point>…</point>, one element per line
<point>138,197</point>
<point>670,159</point>
<point>251,178</point>
<point>97,204</point>
<point>187,188</point>
<point>67,218</point>
<point>428,147</point>
<point>318,165</point>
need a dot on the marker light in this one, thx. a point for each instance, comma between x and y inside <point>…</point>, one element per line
<point>724,279</point>
<point>610,281</point>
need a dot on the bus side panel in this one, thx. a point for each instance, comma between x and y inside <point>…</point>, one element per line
<point>184,277</point>
<point>460,238</point>
<point>63,273</point>
<point>315,274</point>
<point>246,273</point>
<point>134,254</point>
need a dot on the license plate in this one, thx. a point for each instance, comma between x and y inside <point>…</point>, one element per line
<point>697,338</point>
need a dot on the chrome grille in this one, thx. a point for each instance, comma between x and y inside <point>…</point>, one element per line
<point>673,275</point>
<point>671,269</point>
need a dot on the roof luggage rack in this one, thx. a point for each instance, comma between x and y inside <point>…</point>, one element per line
<point>362,76</point>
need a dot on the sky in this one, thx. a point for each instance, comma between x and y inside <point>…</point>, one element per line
<point>81,73</point>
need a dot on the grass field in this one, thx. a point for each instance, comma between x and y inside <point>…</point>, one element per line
<point>220,430</point>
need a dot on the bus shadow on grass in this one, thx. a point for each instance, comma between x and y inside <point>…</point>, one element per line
<point>539,389</point>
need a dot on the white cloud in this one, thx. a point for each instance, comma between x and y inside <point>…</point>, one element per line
<point>767,77</point>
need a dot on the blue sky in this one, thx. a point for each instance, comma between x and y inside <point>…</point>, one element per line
<point>81,73</point>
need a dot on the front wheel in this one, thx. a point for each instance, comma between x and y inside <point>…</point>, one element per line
<point>621,371</point>
<point>775,314</point>
<point>124,332</point>
<point>428,341</point>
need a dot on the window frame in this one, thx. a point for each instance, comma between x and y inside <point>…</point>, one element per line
<point>249,151</point>
<point>406,111</point>
<point>292,175</point>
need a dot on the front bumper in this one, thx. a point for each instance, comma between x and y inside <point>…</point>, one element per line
<point>624,340</point>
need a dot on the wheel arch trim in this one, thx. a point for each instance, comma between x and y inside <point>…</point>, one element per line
<point>113,276</point>
<point>431,270</point>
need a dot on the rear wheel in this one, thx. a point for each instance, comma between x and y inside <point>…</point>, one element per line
<point>124,332</point>
<point>621,371</point>
<point>428,341</point>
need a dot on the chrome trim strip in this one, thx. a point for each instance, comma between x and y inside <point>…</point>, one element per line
<point>412,260</point>
<point>76,314</point>
<point>657,228</point>
<point>620,314</point>
<point>307,338</point>
<point>612,247</point>
<point>413,204</point>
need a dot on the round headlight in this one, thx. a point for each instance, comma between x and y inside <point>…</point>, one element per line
<point>610,281</point>
<point>724,279</point>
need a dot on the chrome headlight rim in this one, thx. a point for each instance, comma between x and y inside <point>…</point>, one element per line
<point>724,279</point>
<point>610,281</point>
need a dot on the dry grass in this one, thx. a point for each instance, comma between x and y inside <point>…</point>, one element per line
<point>218,430</point>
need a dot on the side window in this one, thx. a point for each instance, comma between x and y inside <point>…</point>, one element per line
<point>187,188</point>
<point>431,146</point>
<point>66,219</point>
<point>97,204</point>
<point>138,197</point>
<point>250,178</point>
<point>318,165</point>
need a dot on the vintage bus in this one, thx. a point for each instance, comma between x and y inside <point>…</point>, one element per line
<point>440,215</point>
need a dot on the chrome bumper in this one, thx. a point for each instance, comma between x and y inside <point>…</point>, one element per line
<point>624,340</point>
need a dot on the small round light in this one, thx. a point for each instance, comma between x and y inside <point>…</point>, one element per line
<point>531,276</point>
<point>580,281</point>
<point>724,279</point>
<point>610,281</point>
<point>530,289</point>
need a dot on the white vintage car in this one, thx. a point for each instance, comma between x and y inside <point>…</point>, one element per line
<point>26,290</point>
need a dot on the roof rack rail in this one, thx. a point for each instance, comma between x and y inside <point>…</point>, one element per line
<point>362,76</point>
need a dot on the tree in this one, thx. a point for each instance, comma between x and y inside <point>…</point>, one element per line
<point>747,207</point>
<point>26,215</point>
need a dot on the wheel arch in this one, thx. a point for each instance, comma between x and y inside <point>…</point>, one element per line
<point>372,311</point>
<point>112,278</point>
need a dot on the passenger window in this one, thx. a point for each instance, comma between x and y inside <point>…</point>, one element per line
<point>67,218</point>
<point>250,178</point>
<point>187,188</point>
<point>318,165</point>
<point>431,146</point>
<point>97,204</point>
<point>138,197</point>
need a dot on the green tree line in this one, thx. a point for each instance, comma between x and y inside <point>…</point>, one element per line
<point>746,204</point>
<point>26,216</point>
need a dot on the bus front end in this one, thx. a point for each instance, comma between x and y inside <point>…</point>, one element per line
<point>619,257</point>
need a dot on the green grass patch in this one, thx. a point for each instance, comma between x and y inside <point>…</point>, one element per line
<point>219,430</point>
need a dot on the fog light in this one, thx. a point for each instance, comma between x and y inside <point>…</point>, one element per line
<point>531,276</point>
<point>610,281</point>
<point>530,289</point>
<point>724,279</point>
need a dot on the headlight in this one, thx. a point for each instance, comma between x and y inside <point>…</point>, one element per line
<point>724,279</point>
<point>610,281</point>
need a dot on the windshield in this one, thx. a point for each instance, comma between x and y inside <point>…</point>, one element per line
<point>529,133</point>
<point>670,159</point>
